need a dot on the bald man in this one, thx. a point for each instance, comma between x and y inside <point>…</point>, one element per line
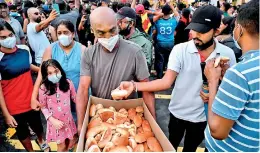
<point>35,32</point>
<point>108,62</point>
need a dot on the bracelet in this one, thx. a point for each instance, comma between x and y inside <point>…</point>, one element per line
<point>135,86</point>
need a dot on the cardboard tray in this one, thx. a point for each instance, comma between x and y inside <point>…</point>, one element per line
<point>165,143</point>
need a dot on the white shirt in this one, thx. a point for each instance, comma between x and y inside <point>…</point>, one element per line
<point>186,103</point>
<point>37,40</point>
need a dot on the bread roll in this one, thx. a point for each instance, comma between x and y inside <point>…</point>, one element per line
<point>108,125</point>
<point>139,148</point>
<point>123,111</point>
<point>118,94</point>
<point>99,106</point>
<point>98,137</point>
<point>154,145</point>
<point>112,108</point>
<point>119,149</point>
<point>119,140</point>
<point>140,130</point>
<point>105,114</point>
<point>142,137</point>
<point>146,126</point>
<point>132,143</point>
<point>138,120</point>
<point>119,118</point>
<point>146,148</point>
<point>106,137</point>
<point>95,122</point>
<point>90,142</point>
<point>139,109</point>
<point>110,121</point>
<point>131,113</point>
<point>220,59</point>
<point>108,147</point>
<point>94,131</point>
<point>92,111</point>
<point>94,148</point>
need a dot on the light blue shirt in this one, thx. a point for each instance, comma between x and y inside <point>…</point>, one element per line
<point>70,63</point>
<point>238,99</point>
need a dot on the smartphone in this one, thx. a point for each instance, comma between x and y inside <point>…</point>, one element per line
<point>56,8</point>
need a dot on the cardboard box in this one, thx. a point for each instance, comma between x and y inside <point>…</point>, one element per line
<point>132,103</point>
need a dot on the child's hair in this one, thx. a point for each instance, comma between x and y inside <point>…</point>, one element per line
<point>51,87</point>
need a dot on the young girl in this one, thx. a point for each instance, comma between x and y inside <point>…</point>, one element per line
<point>55,94</point>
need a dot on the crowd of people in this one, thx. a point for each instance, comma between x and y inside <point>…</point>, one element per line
<point>52,60</point>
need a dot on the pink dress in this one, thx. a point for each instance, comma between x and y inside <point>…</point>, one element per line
<point>58,106</point>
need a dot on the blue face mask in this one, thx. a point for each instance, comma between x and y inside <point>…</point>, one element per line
<point>55,78</point>
<point>14,14</point>
<point>236,41</point>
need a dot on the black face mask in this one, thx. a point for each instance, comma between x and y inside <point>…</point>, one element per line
<point>38,20</point>
<point>126,31</point>
<point>204,45</point>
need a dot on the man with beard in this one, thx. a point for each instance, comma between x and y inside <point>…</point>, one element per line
<point>4,14</point>
<point>187,113</point>
<point>108,62</point>
<point>126,17</point>
<point>37,38</point>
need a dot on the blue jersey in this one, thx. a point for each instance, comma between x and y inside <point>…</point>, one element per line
<point>165,29</point>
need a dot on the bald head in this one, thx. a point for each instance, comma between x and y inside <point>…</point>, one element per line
<point>34,14</point>
<point>102,15</point>
<point>103,22</point>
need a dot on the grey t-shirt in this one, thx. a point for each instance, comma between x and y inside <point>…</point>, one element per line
<point>107,69</point>
<point>71,16</point>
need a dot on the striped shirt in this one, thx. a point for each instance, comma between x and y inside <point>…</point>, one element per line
<point>238,100</point>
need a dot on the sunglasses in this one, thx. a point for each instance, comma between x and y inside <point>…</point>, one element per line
<point>71,1</point>
<point>36,13</point>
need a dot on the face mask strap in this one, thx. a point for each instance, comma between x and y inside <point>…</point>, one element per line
<point>241,32</point>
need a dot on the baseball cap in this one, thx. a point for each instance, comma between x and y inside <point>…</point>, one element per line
<point>139,9</point>
<point>126,12</point>
<point>205,18</point>
<point>3,3</point>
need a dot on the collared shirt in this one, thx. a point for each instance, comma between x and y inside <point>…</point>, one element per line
<point>238,100</point>
<point>186,103</point>
<point>19,34</point>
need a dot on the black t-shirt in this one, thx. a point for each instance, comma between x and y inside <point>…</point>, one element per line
<point>182,35</point>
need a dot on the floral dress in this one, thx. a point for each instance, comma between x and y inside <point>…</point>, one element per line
<point>58,106</point>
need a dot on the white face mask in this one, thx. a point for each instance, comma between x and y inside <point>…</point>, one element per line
<point>9,42</point>
<point>65,40</point>
<point>109,43</point>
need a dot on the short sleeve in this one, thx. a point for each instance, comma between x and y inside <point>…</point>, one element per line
<point>141,69</point>
<point>33,26</point>
<point>175,59</point>
<point>28,49</point>
<point>232,95</point>
<point>85,64</point>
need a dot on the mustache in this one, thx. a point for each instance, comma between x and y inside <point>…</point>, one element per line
<point>198,39</point>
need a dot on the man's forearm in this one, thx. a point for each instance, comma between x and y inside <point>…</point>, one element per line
<point>42,25</point>
<point>149,100</point>
<point>212,93</point>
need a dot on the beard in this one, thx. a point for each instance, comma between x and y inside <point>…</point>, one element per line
<point>38,20</point>
<point>203,46</point>
<point>4,14</point>
<point>126,31</point>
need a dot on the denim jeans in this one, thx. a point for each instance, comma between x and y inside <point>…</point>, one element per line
<point>162,53</point>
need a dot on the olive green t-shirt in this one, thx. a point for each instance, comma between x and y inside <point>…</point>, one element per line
<point>107,69</point>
